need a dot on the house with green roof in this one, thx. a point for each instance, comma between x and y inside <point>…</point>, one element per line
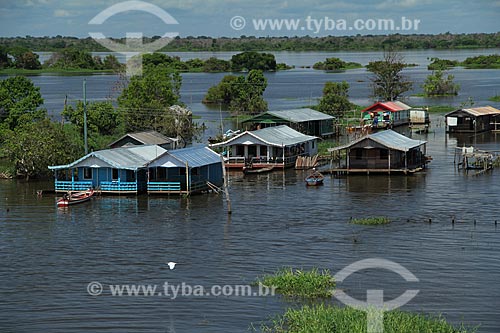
<point>306,121</point>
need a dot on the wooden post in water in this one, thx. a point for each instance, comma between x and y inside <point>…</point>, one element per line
<point>188,186</point>
<point>226,189</point>
<point>389,161</point>
<point>85,117</point>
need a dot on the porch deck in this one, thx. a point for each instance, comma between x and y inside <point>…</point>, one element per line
<point>68,185</point>
<point>261,162</point>
<point>341,171</point>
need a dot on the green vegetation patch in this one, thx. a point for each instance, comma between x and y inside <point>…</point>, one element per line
<point>495,98</point>
<point>491,61</point>
<point>335,64</point>
<point>379,220</point>
<point>332,319</point>
<point>300,283</point>
<point>440,83</point>
<point>442,64</point>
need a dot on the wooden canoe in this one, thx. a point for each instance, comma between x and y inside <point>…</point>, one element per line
<point>73,198</point>
<point>314,179</point>
<point>248,171</point>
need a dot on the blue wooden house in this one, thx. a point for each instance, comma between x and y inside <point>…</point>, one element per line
<point>118,170</point>
<point>185,171</point>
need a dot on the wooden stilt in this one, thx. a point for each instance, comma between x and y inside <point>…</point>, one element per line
<point>226,188</point>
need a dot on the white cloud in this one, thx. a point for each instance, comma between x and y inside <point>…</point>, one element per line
<point>62,13</point>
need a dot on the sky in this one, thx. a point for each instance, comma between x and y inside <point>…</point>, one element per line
<point>233,18</point>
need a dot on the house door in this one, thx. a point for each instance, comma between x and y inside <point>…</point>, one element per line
<point>252,151</point>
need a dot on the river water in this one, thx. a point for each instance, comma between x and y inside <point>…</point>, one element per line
<point>49,256</point>
<point>286,89</point>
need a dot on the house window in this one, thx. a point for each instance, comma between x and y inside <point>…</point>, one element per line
<point>114,174</point>
<point>313,144</point>
<point>87,173</point>
<point>384,154</point>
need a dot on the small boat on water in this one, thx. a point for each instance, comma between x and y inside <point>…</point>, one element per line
<point>73,198</point>
<point>314,179</point>
<point>250,170</point>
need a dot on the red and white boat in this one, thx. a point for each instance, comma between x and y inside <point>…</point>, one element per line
<point>73,198</point>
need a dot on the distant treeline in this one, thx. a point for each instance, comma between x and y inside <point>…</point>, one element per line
<point>250,43</point>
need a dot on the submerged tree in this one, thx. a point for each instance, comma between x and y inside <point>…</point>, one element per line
<point>388,81</point>
<point>243,94</point>
<point>335,99</point>
<point>222,93</point>
<point>249,91</point>
<point>253,60</point>
<point>436,84</point>
<point>147,97</point>
<point>151,101</point>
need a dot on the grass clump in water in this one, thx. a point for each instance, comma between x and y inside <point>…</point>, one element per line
<point>379,220</point>
<point>300,283</point>
<point>495,98</point>
<point>332,319</point>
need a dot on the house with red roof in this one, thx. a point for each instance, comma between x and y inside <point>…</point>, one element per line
<point>386,114</point>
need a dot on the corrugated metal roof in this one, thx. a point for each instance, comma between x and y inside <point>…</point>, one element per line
<point>479,111</point>
<point>196,156</point>
<point>147,138</point>
<point>389,139</point>
<point>129,158</point>
<point>277,136</point>
<point>151,137</point>
<point>390,106</point>
<point>300,115</point>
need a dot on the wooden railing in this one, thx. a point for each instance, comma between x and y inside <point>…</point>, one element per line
<point>235,160</point>
<point>116,186</point>
<point>68,185</point>
<point>199,186</point>
<point>164,186</point>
